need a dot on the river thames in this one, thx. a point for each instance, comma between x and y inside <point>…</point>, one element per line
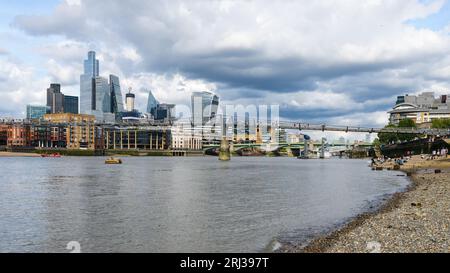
<point>181,204</point>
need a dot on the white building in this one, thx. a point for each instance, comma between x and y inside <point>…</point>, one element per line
<point>185,138</point>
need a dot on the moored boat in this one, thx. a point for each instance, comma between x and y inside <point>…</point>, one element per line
<point>51,155</point>
<point>113,160</point>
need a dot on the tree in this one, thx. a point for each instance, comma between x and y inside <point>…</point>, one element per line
<point>443,123</point>
<point>407,123</point>
<point>376,142</point>
<point>387,138</point>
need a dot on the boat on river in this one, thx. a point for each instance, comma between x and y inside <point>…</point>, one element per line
<point>51,155</point>
<point>113,160</point>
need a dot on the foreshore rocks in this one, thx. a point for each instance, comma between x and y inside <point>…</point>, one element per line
<point>417,220</point>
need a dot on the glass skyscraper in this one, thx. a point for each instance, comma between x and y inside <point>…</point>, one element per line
<point>152,103</point>
<point>37,111</point>
<point>116,94</point>
<point>70,104</point>
<point>87,84</point>
<point>55,99</point>
<point>204,107</point>
<point>98,96</point>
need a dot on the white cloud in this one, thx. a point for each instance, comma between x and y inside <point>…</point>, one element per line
<point>18,87</point>
<point>344,60</point>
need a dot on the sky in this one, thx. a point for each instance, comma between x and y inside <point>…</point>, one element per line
<point>337,62</point>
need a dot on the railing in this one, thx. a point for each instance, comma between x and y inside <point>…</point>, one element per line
<point>324,127</point>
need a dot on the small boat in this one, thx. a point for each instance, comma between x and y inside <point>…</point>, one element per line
<point>51,155</point>
<point>113,160</point>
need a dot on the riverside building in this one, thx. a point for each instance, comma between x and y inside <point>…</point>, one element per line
<point>422,109</point>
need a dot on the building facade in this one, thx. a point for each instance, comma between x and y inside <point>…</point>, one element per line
<point>71,104</point>
<point>35,112</point>
<point>87,84</point>
<point>116,95</point>
<point>55,99</point>
<point>422,109</point>
<point>204,106</point>
<point>152,103</point>
<point>134,138</point>
<point>81,132</point>
<point>185,138</point>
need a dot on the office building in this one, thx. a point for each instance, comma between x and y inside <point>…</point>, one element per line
<point>55,99</point>
<point>87,84</point>
<point>152,103</point>
<point>185,138</point>
<point>204,106</point>
<point>99,97</point>
<point>116,94</point>
<point>70,104</point>
<point>137,138</point>
<point>37,111</point>
<point>165,112</point>
<point>129,101</point>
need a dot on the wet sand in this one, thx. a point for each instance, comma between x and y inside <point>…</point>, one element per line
<point>14,154</point>
<point>417,220</point>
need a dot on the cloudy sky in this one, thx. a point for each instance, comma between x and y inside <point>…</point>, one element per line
<point>340,62</point>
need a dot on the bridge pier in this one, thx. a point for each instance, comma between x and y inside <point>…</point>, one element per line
<point>224,151</point>
<point>322,149</point>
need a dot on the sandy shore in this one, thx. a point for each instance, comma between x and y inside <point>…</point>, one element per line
<point>417,220</point>
<point>10,154</point>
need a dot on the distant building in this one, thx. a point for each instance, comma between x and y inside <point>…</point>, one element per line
<point>37,111</point>
<point>129,101</point>
<point>165,112</point>
<point>152,103</point>
<point>99,97</point>
<point>87,84</point>
<point>55,99</point>
<point>142,139</point>
<point>19,135</point>
<point>295,138</point>
<point>81,132</point>
<point>423,108</point>
<point>185,138</point>
<point>70,104</point>
<point>116,94</point>
<point>204,106</point>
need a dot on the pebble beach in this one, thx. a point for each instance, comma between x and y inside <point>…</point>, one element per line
<point>414,221</point>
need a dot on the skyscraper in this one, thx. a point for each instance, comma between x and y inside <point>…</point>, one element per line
<point>36,111</point>
<point>129,100</point>
<point>102,95</point>
<point>99,97</point>
<point>70,104</point>
<point>55,99</point>
<point>87,84</point>
<point>152,103</point>
<point>204,107</point>
<point>116,95</point>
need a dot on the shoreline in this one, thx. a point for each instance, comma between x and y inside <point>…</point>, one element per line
<point>401,224</point>
<point>18,154</point>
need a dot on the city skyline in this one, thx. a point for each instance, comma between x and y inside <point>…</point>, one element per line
<point>339,84</point>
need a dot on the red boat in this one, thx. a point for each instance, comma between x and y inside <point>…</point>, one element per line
<point>51,155</point>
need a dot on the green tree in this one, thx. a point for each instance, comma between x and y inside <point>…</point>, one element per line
<point>407,123</point>
<point>443,123</point>
<point>386,138</point>
<point>376,142</point>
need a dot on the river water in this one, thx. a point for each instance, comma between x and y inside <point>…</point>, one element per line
<point>190,204</point>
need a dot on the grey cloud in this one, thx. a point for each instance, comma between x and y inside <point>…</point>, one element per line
<point>251,48</point>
